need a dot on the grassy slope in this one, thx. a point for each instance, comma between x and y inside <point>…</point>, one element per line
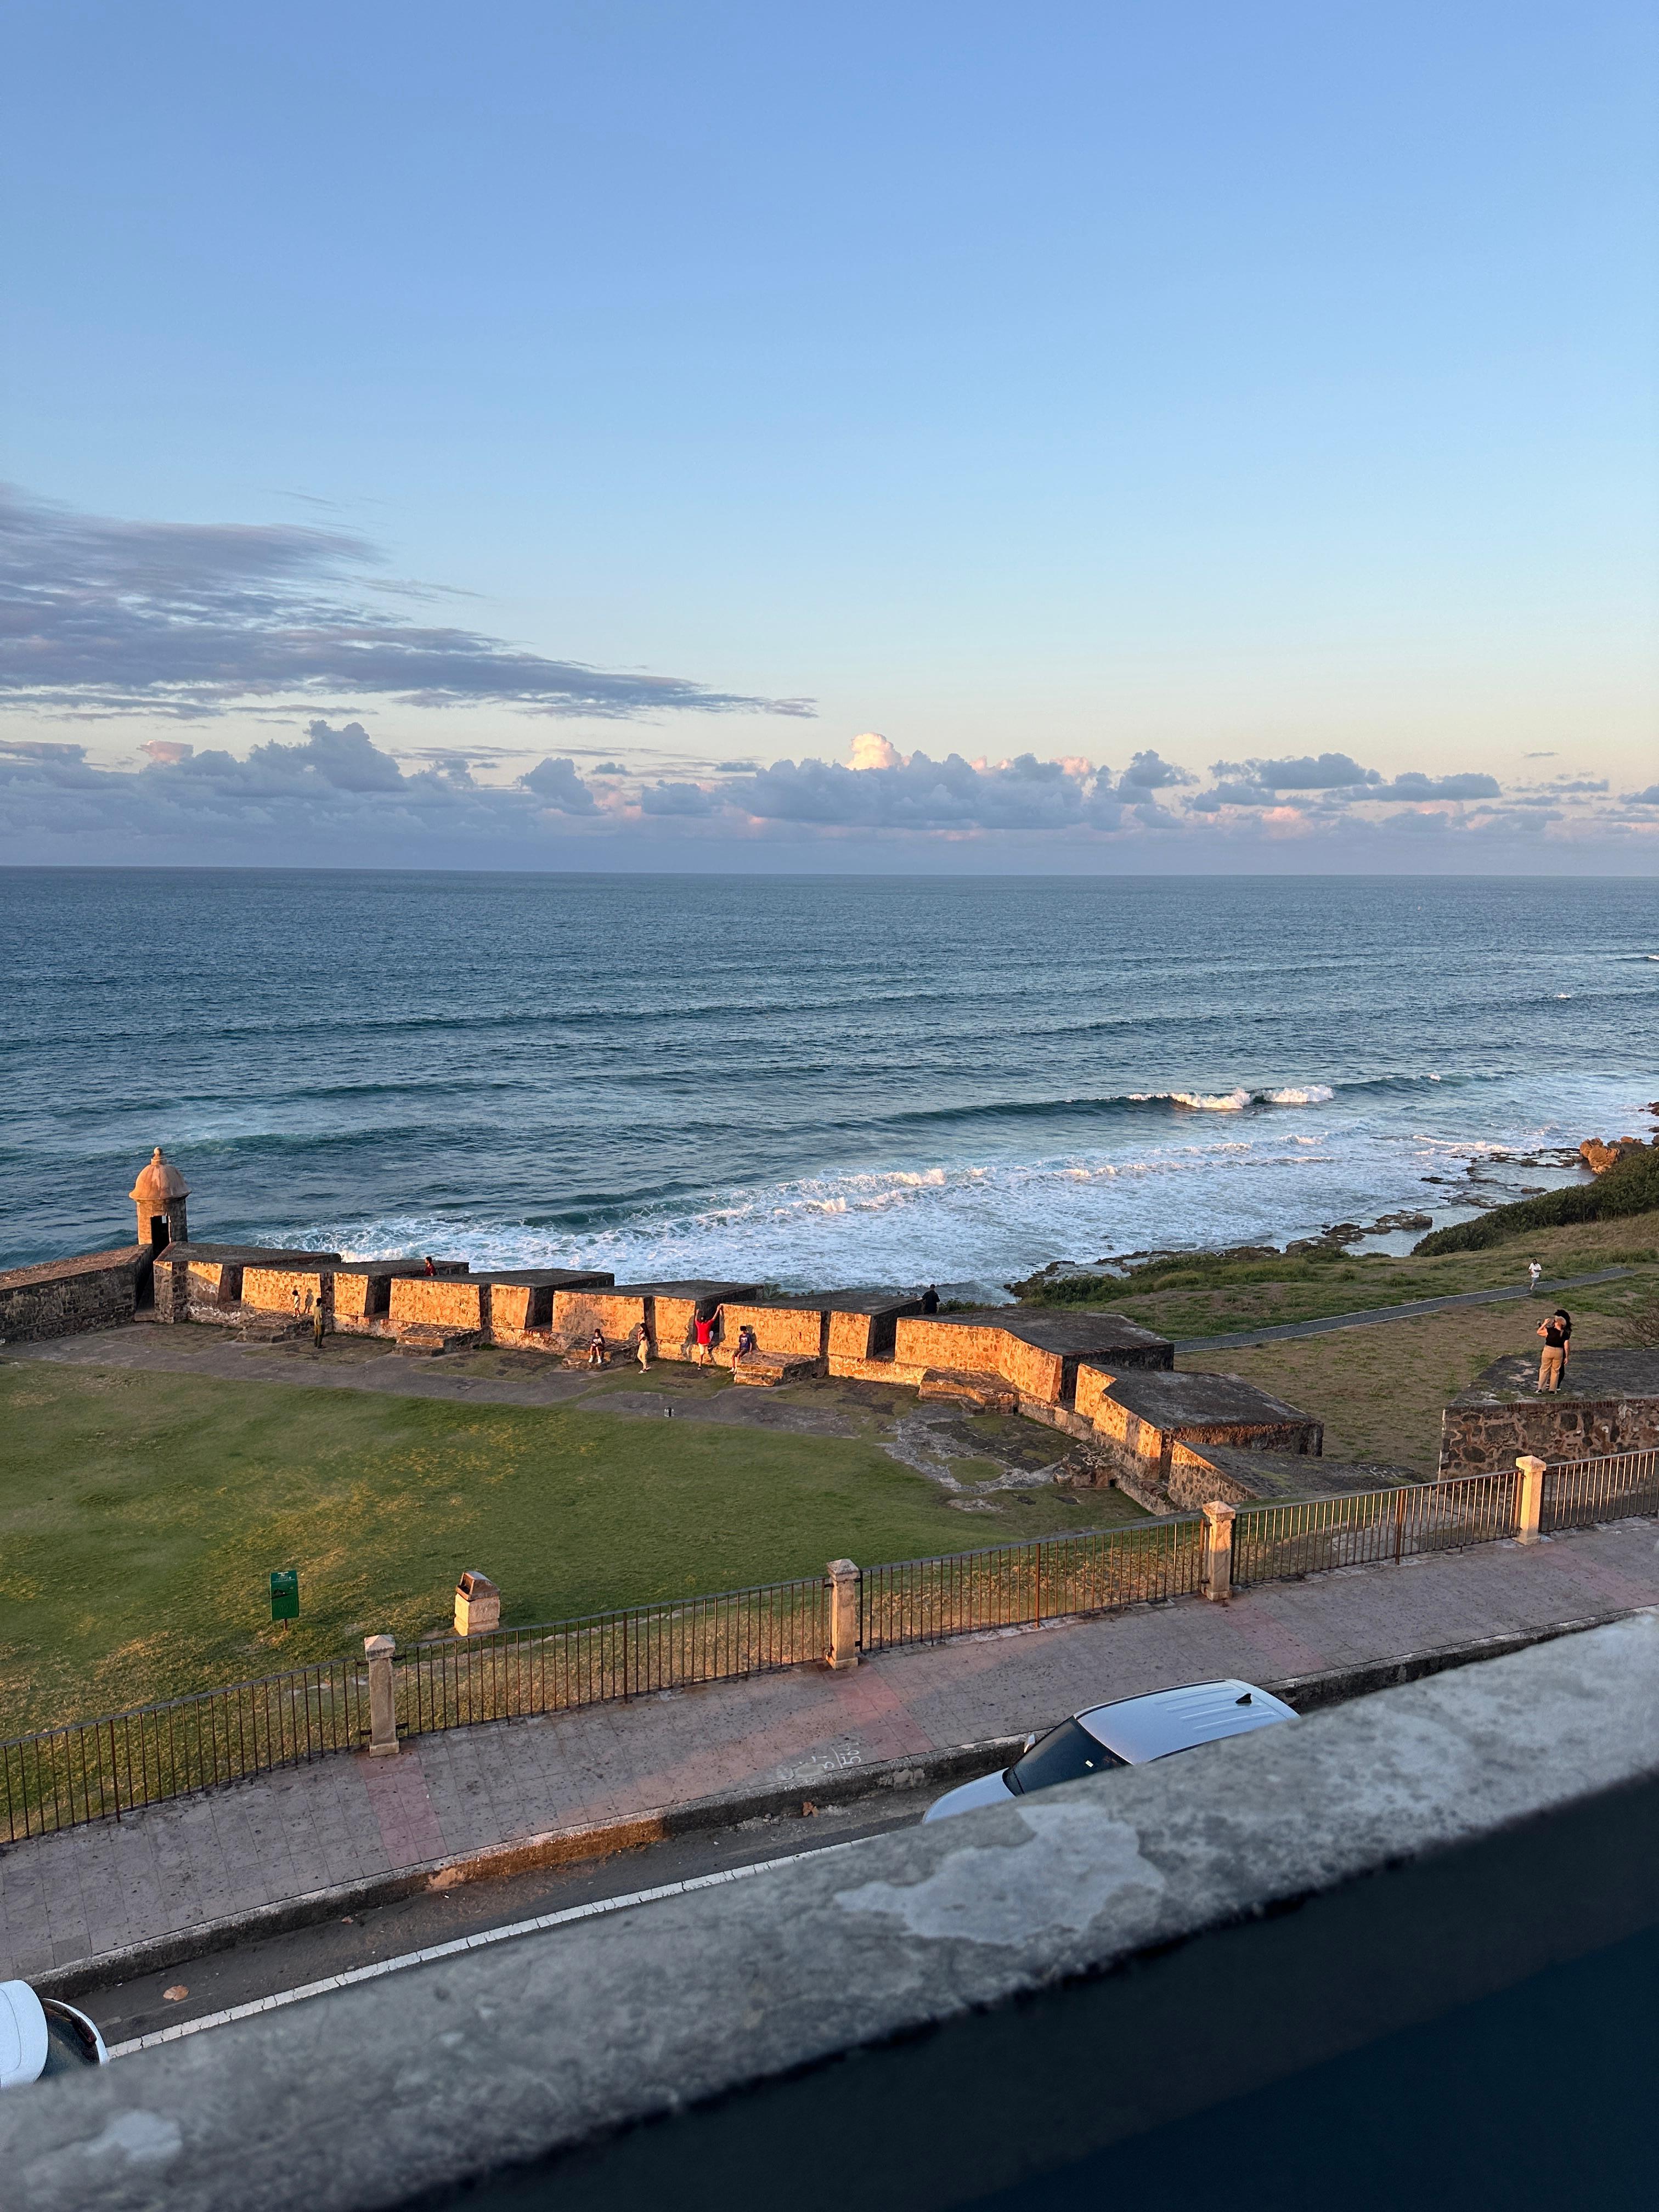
<point>140,1515</point>
<point>1379,1391</point>
<point>1204,1296</point>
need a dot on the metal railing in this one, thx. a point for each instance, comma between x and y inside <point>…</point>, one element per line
<point>511,1674</point>
<point>60,1777</point>
<point>1578,1493</point>
<point>93,1770</point>
<point>1016,1585</point>
<point>1278,1543</point>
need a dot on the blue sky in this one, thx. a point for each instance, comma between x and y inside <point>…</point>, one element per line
<point>667,390</point>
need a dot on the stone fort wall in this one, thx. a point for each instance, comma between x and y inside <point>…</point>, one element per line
<point>95,1291</point>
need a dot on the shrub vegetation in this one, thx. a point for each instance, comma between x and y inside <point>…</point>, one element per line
<point>1632,1187</point>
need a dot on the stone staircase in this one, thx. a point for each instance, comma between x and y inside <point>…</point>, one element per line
<point>425,1339</point>
<point>765,1371</point>
<point>981,1393</point>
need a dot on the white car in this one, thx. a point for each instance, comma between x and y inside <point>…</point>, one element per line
<point>43,2035</point>
<point>1126,1734</point>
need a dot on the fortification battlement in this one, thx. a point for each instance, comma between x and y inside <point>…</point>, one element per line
<point>1095,1375</point>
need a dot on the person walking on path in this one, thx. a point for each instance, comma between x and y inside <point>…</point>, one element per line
<point>596,1348</point>
<point>1533,1271</point>
<point>1556,1333</point>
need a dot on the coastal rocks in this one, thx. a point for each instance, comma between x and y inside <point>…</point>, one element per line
<point>1598,1157</point>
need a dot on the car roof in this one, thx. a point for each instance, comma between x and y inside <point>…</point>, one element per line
<point>1140,1728</point>
<point>23,2034</point>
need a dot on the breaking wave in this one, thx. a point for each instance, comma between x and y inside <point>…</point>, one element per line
<point>1236,1101</point>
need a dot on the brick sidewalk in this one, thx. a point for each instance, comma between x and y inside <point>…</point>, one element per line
<point>67,1898</point>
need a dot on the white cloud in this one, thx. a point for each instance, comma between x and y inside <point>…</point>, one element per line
<point>556,784</point>
<point>336,796</point>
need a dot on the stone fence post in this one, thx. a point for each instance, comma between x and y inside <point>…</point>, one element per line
<point>382,1701</point>
<point>1218,1550</point>
<point>1528,1497</point>
<point>845,1583</point>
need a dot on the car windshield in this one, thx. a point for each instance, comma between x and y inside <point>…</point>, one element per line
<point>1065,1754</point>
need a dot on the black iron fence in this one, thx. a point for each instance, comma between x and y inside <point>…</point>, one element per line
<point>1276,1543</point>
<point>513,1673</point>
<point>1016,1585</point>
<point>94,1770</point>
<point>1578,1492</point>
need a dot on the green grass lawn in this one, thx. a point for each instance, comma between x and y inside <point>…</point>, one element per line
<point>141,1514</point>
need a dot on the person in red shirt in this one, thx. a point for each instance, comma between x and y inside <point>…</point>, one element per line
<point>705,1341</point>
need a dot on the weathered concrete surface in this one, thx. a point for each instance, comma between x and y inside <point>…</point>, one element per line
<point>1608,1401</point>
<point>99,1888</point>
<point>371,2095</point>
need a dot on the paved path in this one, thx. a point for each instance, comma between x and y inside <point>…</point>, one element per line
<point>99,1888</point>
<point>1372,1315</point>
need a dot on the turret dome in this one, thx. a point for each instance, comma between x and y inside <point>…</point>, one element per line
<point>159,1184</point>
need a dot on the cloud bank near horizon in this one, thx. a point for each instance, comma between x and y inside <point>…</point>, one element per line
<point>101,617</point>
<point>104,620</point>
<point>335,797</point>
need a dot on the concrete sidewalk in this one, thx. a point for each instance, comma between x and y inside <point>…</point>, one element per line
<point>175,1868</point>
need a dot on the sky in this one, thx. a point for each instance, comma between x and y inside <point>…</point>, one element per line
<point>1094,438</point>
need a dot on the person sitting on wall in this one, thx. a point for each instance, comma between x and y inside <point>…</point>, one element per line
<point>746,1344</point>
<point>596,1348</point>
<point>1556,1333</point>
<point>930,1300</point>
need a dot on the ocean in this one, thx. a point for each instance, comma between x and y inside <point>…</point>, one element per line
<point>812,1082</point>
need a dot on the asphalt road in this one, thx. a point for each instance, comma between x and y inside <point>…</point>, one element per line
<point>267,1965</point>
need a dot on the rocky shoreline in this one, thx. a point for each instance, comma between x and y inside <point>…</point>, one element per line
<point>1596,1155</point>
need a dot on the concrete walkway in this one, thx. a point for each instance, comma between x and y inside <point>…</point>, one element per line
<point>1372,1315</point>
<point>101,1889</point>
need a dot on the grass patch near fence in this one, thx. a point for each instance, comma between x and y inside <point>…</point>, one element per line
<point>142,1512</point>
<point>1380,1390</point>
<point>1207,1294</point>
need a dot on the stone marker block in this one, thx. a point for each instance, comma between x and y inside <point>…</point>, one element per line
<point>478,1604</point>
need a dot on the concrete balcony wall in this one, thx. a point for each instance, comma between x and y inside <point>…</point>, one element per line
<point>1124,1953</point>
